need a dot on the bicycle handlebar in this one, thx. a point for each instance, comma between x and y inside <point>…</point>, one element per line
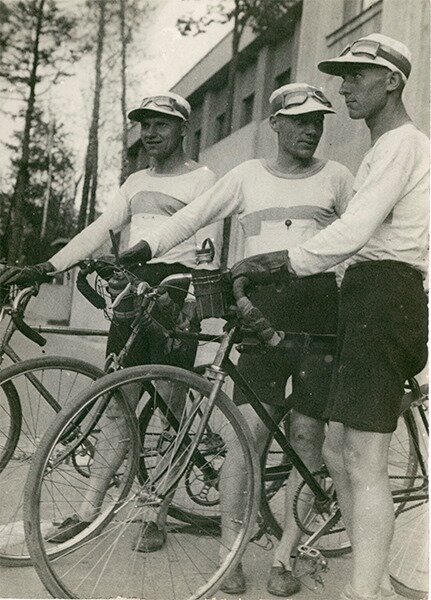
<point>17,312</point>
<point>87,290</point>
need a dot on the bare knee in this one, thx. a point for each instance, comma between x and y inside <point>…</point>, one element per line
<point>306,434</point>
<point>365,458</point>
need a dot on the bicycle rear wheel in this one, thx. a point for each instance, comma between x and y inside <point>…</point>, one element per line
<point>403,465</point>
<point>409,553</point>
<point>103,561</point>
<point>31,392</point>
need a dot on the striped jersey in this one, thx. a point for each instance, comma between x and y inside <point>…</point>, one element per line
<point>144,201</point>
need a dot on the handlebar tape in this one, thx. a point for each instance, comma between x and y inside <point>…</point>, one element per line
<point>26,330</point>
<point>88,292</point>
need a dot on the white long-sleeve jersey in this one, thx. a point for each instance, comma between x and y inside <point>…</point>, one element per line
<point>275,211</point>
<point>144,201</point>
<point>388,217</point>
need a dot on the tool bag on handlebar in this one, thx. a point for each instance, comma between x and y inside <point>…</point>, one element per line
<point>129,306</point>
<point>213,293</point>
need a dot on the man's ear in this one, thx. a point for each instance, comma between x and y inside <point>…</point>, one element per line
<point>273,123</point>
<point>184,128</point>
<point>394,81</point>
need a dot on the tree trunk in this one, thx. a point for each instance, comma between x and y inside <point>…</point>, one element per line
<point>93,186</point>
<point>124,42</point>
<point>92,145</point>
<point>19,194</point>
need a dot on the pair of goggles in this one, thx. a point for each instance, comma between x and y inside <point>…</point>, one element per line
<point>372,49</point>
<point>298,97</point>
<point>165,102</point>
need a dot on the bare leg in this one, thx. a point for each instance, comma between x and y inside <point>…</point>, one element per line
<point>233,478</point>
<point>109,453</point>
<point>306,437</point>
<point>369,510</point>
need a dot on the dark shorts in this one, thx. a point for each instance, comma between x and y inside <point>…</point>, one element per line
<point>149,347</point>
<point>304,305</point>
<point>382,340</point>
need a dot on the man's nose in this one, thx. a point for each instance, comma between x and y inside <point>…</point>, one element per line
<point>343,88</point>
<point>151,129</point>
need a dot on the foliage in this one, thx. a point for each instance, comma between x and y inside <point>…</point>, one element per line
<point>37,50</point>
<point>56,52</point>
<point>49,153</point>
<point>260,15</point>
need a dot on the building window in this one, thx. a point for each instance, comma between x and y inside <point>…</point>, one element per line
<point>282,79</point>
<point>196,144</point>
<point>247,110</point>
<point>219,129</point>
<point>353,8</point>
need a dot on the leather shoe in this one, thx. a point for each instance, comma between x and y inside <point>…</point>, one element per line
<point>150,538</point>
<point>235,583</point>
<point>282,583</point>
<point>66,530</point>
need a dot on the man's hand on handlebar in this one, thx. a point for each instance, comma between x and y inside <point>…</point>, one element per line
<point>27,275</point>
<point>264,269</point>
<point>140,253</point>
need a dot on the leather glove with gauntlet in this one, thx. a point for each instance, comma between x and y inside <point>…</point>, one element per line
<point>264,269</point>
<point>27,275</point>
<point>140,253</point>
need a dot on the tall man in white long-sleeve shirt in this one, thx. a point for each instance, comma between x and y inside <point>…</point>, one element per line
<point>279,203</point>
<point>382,333</point>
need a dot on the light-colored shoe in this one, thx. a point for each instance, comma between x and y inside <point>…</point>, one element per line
<point>350,594</point>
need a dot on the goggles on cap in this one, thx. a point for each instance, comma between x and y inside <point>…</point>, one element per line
<point>165,102</point>
<point>372,49</point>
<point>298,97</point>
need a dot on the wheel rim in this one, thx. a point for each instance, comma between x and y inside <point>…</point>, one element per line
<point>187,566</point>
<point>60,378</point>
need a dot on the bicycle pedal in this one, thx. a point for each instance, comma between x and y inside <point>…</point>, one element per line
<point>310,561</point>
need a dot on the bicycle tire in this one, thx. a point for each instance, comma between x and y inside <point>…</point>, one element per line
<point>10,422</point>
<point>111,561</point>
<point>408,557</point>
<point>59,378</point>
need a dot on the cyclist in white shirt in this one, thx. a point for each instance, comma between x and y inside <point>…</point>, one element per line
<point>147,197</point>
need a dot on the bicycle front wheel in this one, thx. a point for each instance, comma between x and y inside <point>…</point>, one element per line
<point>31,393</point>
<point>106,558</point>
<point>409,555</point>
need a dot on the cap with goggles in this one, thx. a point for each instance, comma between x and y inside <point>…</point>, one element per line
<point>168,104</point>
<point>297,99</point>
<point>374,49</point>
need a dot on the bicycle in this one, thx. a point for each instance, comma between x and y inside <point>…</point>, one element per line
<point>190,559</point>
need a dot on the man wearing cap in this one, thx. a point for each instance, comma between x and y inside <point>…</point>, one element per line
<point>146,198</point>
<point>279,203</point>
<point>382,332</point>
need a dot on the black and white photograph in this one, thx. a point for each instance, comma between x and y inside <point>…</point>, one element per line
<point>214,248</point>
